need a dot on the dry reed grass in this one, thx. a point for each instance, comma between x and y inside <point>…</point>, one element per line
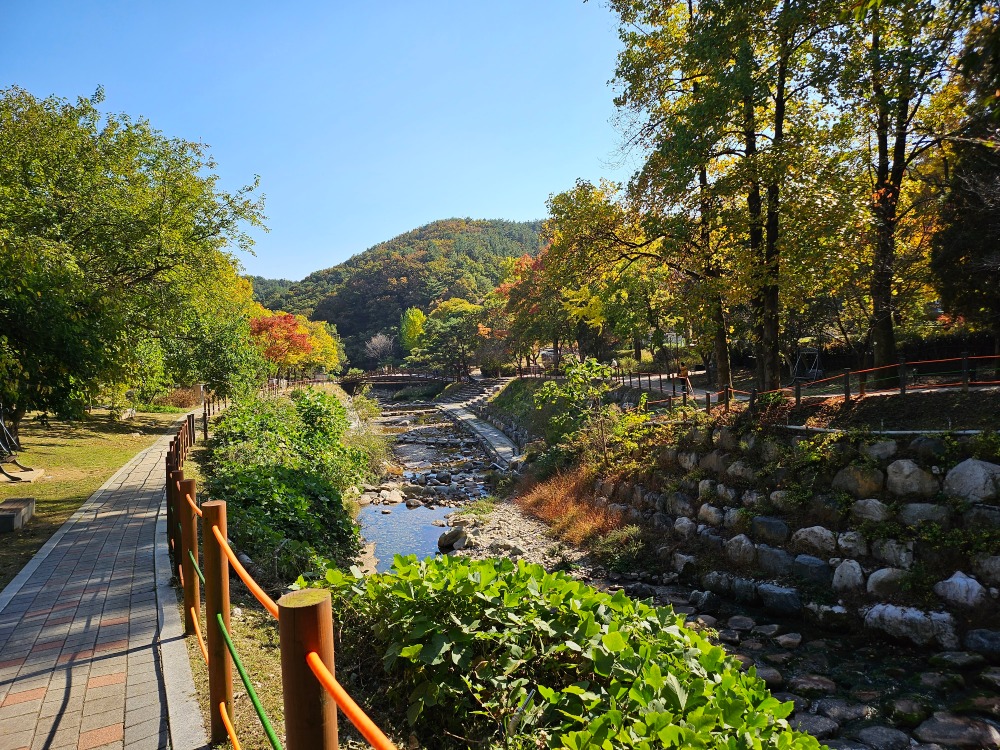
<point>564,503</point>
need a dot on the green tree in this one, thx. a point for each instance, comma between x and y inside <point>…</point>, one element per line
<point>411,328</point>
<point>108,230</point>
<point>451,338</point>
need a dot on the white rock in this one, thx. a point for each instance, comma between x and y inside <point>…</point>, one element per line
<point>961,591</point>
<point>685,527</point>
<point>905,478</point>
<point>688,461</point>
<point>974,480</point>
<point>885,582</point>
<point>681,562</point>
<point>892,552</point>
<point>740,550</point>
<point>880,451</point>
<point>815,540</point>
<point>922,628</point>
<point>852,544</point>
<point>706,489</point>
<point>848,576</point>
<point>710,515</point>
<point>870,510</point>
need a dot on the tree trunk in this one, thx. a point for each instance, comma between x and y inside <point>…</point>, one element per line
<point>637,348</point>
<point>756,238</point>
<point>769,299</point>
<point>889,170</point>
<point>723,371</point>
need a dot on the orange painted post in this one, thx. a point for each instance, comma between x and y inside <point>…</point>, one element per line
<point>220,666</point>
<point>305,624</point>
<point>189,544</point>
<point>176,476</point>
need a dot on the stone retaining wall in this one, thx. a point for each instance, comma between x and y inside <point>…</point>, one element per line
<point>730,521</point>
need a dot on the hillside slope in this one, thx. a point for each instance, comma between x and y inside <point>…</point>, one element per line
<point>367,293</point>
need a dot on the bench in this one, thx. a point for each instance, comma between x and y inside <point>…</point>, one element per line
<point>15,512</point>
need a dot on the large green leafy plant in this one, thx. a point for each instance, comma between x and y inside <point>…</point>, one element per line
<point>282,467</point>
<point>507,655</point>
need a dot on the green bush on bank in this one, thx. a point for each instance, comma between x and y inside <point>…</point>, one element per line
<point>282,467</point>
<point>507,655</point>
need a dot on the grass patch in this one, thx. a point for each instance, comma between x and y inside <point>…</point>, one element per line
<point>479,509</point>
<point>517,401</point>
<point>78,457</point>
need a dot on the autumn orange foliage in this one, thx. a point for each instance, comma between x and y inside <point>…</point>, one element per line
<point>564,503</point>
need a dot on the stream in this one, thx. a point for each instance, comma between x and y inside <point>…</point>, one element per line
<point>850,690</point>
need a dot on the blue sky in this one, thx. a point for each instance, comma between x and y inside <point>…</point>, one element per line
<point>363,119</point>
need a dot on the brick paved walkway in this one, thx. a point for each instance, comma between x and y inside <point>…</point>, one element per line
<point>80,662</point>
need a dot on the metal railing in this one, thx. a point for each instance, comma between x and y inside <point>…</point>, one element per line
<point>311,693</point>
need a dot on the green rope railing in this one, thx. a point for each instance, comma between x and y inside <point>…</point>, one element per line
<point>197,568</point>
<point>265,722</point>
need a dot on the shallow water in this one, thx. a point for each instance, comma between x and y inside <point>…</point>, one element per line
<point>405,531</point>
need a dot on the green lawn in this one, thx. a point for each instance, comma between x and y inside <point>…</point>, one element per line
<point>78,457</point>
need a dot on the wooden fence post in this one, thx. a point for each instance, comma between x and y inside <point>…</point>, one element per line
<point>847,384</point>
<point>305,624</point>
<point>220,667</point>
<point>174,532</point>
<point>965,372</point>
<point>204,426</point>
<point>902,376</point>
<point>753,400</point>
<point>862,384</point>
<point>189,544</point>
<point>798,393</point>
<point>684,397</point>
<point>708,402</point>
<point>728,395</point>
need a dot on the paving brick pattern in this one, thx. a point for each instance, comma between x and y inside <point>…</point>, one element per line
<point>79,661</point>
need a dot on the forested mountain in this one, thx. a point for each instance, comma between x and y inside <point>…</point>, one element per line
<point>367,293</point>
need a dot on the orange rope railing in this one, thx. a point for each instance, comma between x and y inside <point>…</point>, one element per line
<point>255,589</point>
<point>372,734</point>
<point>194,507</point>
<point>197,632</point>
<point>230,729</point>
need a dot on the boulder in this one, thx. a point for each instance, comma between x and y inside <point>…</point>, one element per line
<point>961,660</point>
<point>974,480</point>
<point>784,500</point>
<point>679,504</point>
<point>884,738</point>
<point>906,479</point>
<point>729,496</point>
<point>852,544</point>
<point>870,510</point>
<point>444,477</point>
<point>662,521</point>
<point>826,509</point>
<point>928,448</point>
<point>922,628</point>
<point>667,458</point>
<point>885,582</point>
<point>880,451</point>
<point>909,711</point>
<point>958,731</point>
<point>812,685</point>
<point>842,711</point>
<point>741,471</point>
<point>685,527</point>
<point>988,569</point>
<point>717,582</point>
<point>740,551</point>
<point>962,591</point>
<point>979,516</point>
<point>750,499</point>
<point>710,515</point>
<point>893,553</point>
<point>454,538</point>
<point>716,462</point>
<point>682,563</point>
<point>706,489</point>
<point>848,577</point>
<point>770,530</point>
<point>819,727</point>
<point>773,561</point>
<point>913,514</point>
<point>733,519</point>
<point>860,481</point>
<point>744,590</point>
<point>985,642</point>
<point>812,570</point>
<point>815,540</point>
<point>726,439</point>
<point>688,460</point>
<point>780,600</point>
<point>770,451</point>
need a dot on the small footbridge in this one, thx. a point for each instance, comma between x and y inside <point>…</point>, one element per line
<point>392,379</point>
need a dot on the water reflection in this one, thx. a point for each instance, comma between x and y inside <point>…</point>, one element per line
<point>405,531</point>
